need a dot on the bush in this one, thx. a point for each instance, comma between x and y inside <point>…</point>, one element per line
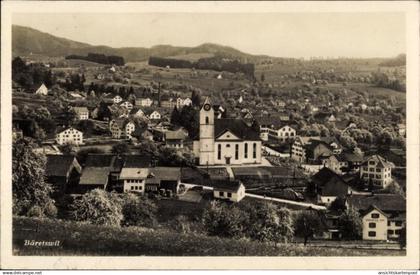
<point>138,211</point>
<point>97,207</point>
<point>350,225</point>
<point>35,211</point>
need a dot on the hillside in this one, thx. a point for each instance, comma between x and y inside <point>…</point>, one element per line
<point>26,40</point>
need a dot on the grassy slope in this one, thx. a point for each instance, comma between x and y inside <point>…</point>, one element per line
<point>82,239</point>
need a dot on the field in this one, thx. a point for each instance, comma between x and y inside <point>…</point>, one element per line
<point>89,240</point>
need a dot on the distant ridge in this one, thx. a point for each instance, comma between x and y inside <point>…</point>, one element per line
<point>27,40</point>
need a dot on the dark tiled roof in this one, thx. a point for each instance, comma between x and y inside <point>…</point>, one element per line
<point>100,160</point>
<point>137,161</point>
<point>60,165</point>
<point>335,187</point>
<point>227,185</point>
<point>166,173</point>
<point>95,176</point>
<point>385,202</point>
<point>324,175</point>
<point>237,126</point>
<point>351,157</point>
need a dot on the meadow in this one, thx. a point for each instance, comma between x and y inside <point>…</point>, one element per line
<point>91,240</point>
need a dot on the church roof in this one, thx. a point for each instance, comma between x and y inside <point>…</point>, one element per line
<point>237,126</point>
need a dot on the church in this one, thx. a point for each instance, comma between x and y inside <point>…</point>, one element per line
<point>225,141</point>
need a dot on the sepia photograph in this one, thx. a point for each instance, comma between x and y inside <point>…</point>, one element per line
<point>191,131</point>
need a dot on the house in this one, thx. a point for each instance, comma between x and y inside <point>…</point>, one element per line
<point>275,128</point>
<point>42,90</point>
<point>144,102</point>
<point>168,103</point>
<point>62,172</point>
<point>127,105</point>
<point>169,179</point>
<point>376,170</point>
<point>281,104</point>
<point>187,102</point>
<point>81,112</point>
<point>142,133</point>
<point>136,112</point>
<point>322,117</point>
<point>349,161</point>
<point>175,139</point>
<point>134,173</point>
<point>332,163</point>
<point>69,136</point>
<point>328,186</point>
<point>228,190</point>
<point>155,115</point>
<point>122,128</point>
<point>313,149</point>
<point>225,141</point>
<point>401,129</point>
<point>76,95</point>
<point>100,171</point>
<point>116,99</point>
<point>383,215</point>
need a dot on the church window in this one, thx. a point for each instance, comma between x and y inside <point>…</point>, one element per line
<point>219,151</point>
<point>228,145</point>
<point>246,150</point>
<point>207,120</point>
<point>237,151</point>
<point>254,153</point>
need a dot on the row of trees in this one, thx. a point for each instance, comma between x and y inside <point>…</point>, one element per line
<point>100,58</point>
<point>211,63</point>
<point>266,222</point>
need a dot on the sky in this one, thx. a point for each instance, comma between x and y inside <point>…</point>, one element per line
<point>275,34</point>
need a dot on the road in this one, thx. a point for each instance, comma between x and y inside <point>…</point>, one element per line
<point>303,204</point>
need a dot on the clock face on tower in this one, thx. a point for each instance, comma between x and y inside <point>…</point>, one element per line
<point>207,107</point>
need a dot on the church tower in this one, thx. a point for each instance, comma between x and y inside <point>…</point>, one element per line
<point>207,133</point>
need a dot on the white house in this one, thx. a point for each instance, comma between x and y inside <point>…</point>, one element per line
<point>127,105</point>
<point>134,179</point>
<point>117,99</point>
<point>137,112</point>
<point>42,90</point>
<point>225,141</point>
<point>121,128</point>
<point>375,225</point>
<point>187,101</point>
<point>154,115</point>
<point>81,112</point>
<point>376,170</point>
<point>144,102</point>
<point>69,136</point>
<point>229,190</point>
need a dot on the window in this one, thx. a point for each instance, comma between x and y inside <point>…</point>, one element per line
<point>237,151</point>
<point>132,187</point>
<point>221,194</point>
<point>372,163</point>
<point>389,223</point>
<point>378,170</point>
<point>254,153</point>
<point>398,223</point>
<point>390,232</point>
<point>140,187</point>
<point>228,145</point>
<point>229,195</point>
<point>372,225</point>
<point>207,120</point>
<point>371,169</point>
<point>372,234</point>
<point>219,151</point>
<point>246,151</point>
<point>398,232</point>
<point>375,216</point>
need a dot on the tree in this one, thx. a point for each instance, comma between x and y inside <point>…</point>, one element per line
<point>402,239</point>
<point>120,148</point>
<point>307,224</point>
<point>29,189</point>
<point>224,221</point>
<point>350,225</point>
<point>138,211</point>
<point>395,188</point>
<point>175,117</point>
<point>97,207</point>
<point>338,204</point>
<point>195,98</point>
<point>86,126</point>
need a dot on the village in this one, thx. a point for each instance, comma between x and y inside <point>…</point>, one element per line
<point>324,142</point>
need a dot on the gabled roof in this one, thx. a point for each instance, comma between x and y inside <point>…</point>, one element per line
<point>166,173</point>
<point>227,185</point>
<point>237,126</point>
<point>80,109</point>
<point>135,110</point>
<point>136,161</point>
<point>60,165</point>
<point>374,207</point>
<point>351,157</point>
<point>95,176</point>
<point>380,161</point>
<point>175,135</point>
<point>385,202</point>
<point>324,175</point>
<point>132,172</point>
<point>100,160</point>
<point>122,122</point>
<point>335,187</point>
<point>60,130</point>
